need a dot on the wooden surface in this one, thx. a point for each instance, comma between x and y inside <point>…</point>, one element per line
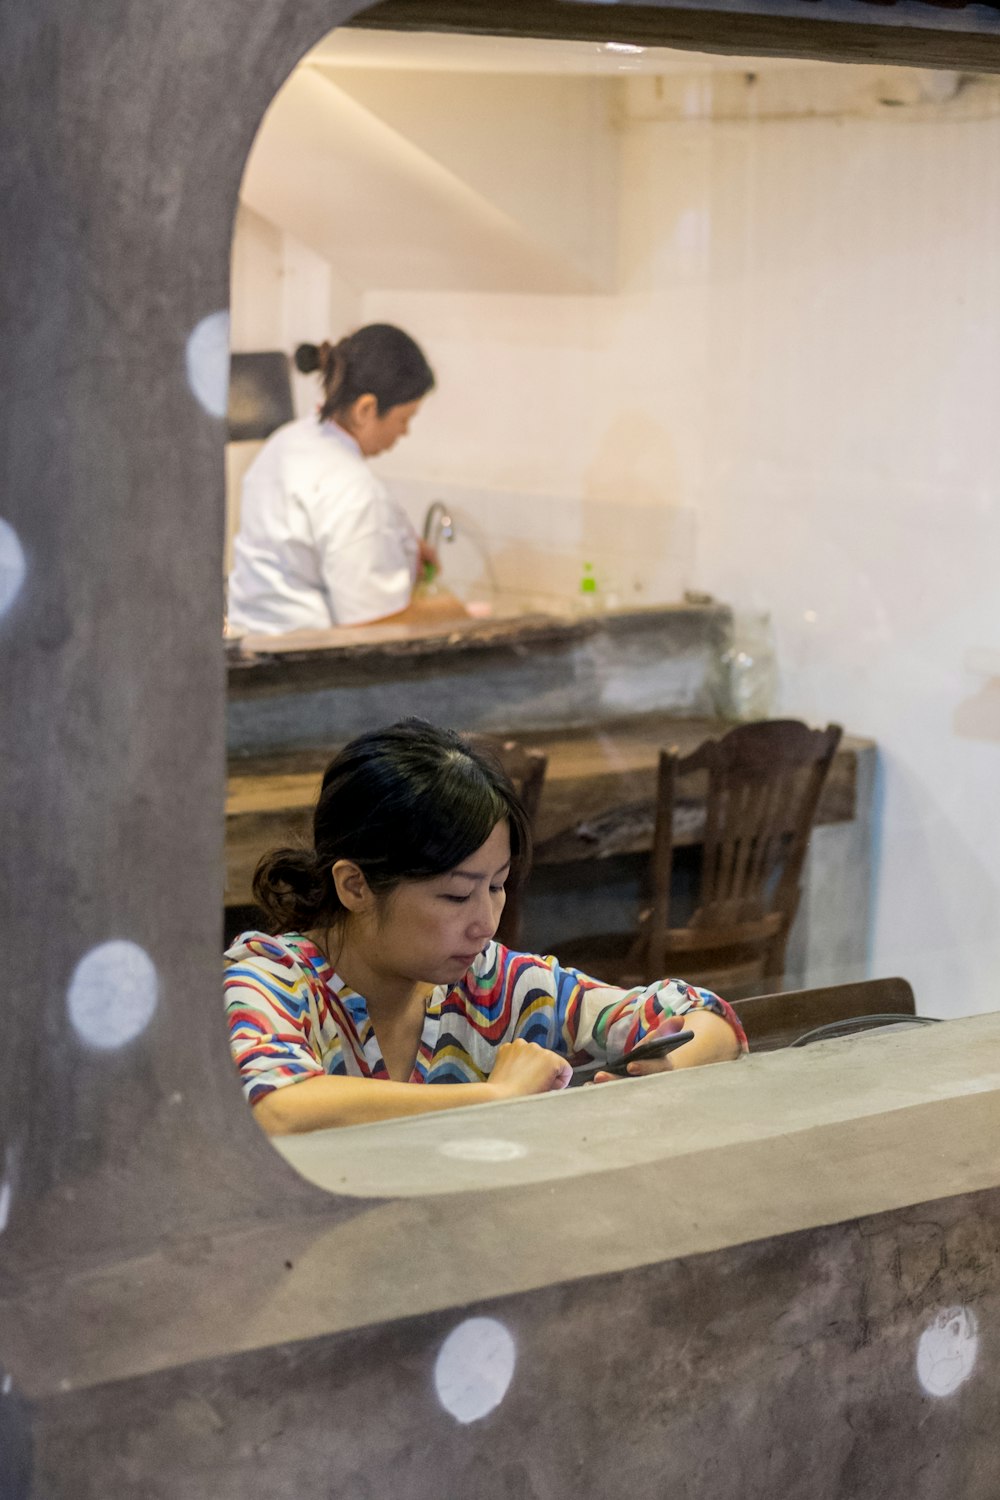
<point>275,663</point>
<point>244,653</point>
<point>597,801</point>
<point>773,1021</point>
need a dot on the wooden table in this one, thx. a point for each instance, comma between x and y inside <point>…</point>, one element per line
<point>597,800</point>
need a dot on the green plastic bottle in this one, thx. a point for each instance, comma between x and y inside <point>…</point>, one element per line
<point>588,589</point>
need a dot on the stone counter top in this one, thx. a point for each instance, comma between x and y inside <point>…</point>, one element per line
<point>252,658</point>
<point>511,676</point>
<point>256,653</point>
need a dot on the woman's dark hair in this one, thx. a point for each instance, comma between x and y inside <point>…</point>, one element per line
<point>378,359</point>
<point>404,803</point>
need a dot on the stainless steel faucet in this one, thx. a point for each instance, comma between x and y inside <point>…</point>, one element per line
<point>438,525</point>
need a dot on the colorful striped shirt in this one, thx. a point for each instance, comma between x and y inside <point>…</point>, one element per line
<point>291,1017</point>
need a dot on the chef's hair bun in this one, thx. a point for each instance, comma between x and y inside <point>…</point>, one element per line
<point>306,358</point>
<point>379,360</point>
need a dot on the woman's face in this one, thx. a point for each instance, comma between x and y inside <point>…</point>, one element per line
<point>377,434</point>
<point>431,930</point>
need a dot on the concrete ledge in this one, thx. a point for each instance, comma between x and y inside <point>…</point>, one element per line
<point>614,1179</point>
<point>646,1122</point>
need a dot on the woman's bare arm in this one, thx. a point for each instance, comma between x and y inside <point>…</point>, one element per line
<point>714,1040</point>
<point>521,1068</point>
<point>320,1103</point>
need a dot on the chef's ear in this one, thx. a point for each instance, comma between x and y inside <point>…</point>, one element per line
<point>364,409</point>
<point>353,890</point>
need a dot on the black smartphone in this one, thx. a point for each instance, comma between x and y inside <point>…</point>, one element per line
<point>644,1052</point>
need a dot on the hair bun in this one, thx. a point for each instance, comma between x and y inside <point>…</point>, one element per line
<point>292,889</point>
<point>306,358</point>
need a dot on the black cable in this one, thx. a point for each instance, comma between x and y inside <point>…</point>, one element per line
<point>855,1023</point>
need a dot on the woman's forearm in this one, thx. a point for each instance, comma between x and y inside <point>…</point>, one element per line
<point>714,1040</point>
<point>322,1103</point>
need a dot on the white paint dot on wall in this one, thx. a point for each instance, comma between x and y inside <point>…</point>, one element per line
<point>206,358</point>
<point>487,1149</point>
<point>112,994</point>
<point>12,566</point>
<point>946,1352</point>
<point>474,1367</point>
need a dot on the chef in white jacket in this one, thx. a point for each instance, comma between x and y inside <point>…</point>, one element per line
<point>321,542</point>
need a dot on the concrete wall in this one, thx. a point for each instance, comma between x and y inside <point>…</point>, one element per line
<point>683,1283</point>
<point>150,1236</point>
<point>825,1369</point>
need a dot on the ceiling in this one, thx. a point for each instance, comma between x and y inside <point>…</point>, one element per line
<point>453,52</point>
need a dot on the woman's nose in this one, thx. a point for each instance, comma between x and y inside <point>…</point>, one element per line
<point>484,920</point>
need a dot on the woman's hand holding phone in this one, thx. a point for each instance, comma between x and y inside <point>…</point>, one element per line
<point>640,1066</point>
<point>714,1040</point>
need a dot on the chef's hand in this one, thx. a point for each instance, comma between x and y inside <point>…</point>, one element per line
<point>429,554</point>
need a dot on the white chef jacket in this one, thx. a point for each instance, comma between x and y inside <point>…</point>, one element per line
<point>320,540</point>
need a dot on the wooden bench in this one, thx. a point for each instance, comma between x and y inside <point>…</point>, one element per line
<point>773,1021</point>
<point>597,801</point>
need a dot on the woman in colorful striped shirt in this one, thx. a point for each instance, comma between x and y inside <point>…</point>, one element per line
<point>385,988</point>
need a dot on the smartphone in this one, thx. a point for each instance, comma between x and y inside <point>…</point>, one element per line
<point>644,1052</point>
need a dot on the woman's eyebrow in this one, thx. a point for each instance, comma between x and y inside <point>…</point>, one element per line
<point>468,874</point>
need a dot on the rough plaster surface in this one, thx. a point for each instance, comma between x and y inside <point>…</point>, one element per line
<point>787,1369</point>
<point>149,1232</point>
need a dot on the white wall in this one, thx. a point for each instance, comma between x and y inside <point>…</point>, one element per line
<point>542,151</point>
<point>852,463</point>
<point>281,294</point>
<point>570,428</point>
<point>788,398</point>
<point>498,199</point>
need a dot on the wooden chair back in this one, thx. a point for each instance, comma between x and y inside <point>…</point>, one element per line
<point>762,787</point>
<point>772,1021</point>
<point>525,767</point>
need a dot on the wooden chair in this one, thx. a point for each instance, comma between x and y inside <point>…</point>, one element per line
<point>761,785</point>
<point>526,769</point>
<point>772,1021</point>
